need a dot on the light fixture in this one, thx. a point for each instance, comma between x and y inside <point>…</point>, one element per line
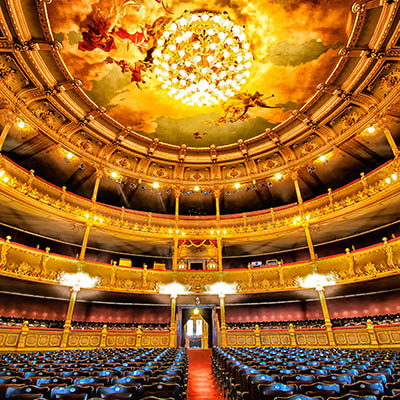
<point>2,173</point>
<point>114,174</point>
<point>202,58</point>
<point>212,232</point>
<point>224,231</point>
<point>388,180</point>
<point>278,176</point>
<point>196,188</point>
<point>156,185</point>
<point>394,176</point>
<point>196,311</point>
<point>174,289</point>
<point>222,288</point>
<point>69,155</point>
<point>183,233</point>
<point>322,158</point>
<point>237,185</point>
<point>21,124</point>
<point>317,281</point>
<point>170,231</point>
<point>371,129</point>
<point>78,280</point>
<point>6,179</point>
<point>101,220</point>
<point>87,215</point>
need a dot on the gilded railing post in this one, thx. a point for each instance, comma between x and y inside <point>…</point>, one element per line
<point>330,197</point>
<point>389,253</point>
<point>103,340</point>
<point>257,333</point>
<point>250,276</point>
<point>23,335</point>
<point>139,334</point>
<point>328,323</point>
<point>99,175</point>
<point>350,261</point>
<point>173,327</point>
<point>68,318</point>
<point>371,332</point>
<point>43,263</point>
<point>292,335</point>
<point>4,250</point>
<point>223,323</point>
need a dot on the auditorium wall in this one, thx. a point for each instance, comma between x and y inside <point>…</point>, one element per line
<point>53,309</point>
<point>345,307</point>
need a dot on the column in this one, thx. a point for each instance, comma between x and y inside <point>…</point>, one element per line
<point>173,327</point>
<point>328,324</point>
<point>219,250</point>
<point>99,175</point>
<point>309,241</point>
<point>175,254</point>
<point>384,126</point>
<point>68,318</point>
<point>9,122</point>
<point>217,194</point>
<point>295,178</point>
<point>177,192</point>
<point>223,323</point>
<point>85,241</point>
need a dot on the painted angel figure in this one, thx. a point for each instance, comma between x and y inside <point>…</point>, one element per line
<point>235,108</point>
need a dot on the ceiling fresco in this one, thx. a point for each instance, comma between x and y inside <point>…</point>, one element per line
<point>107,45</point>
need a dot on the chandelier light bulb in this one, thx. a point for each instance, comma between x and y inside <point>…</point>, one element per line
<point>199,57</point>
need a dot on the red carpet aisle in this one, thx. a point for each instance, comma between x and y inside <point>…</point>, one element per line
<point>201,382</point>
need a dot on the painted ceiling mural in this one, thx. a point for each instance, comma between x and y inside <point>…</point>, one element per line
<point>109,46</point>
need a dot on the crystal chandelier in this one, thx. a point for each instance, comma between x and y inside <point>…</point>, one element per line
<point>202,58</point>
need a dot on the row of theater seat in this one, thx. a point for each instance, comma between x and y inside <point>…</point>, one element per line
<point>56,324</point>
<point>89,374</point>
<point>317,323</point>
<point>306,374</point>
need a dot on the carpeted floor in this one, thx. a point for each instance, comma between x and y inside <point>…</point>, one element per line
<point>201,385</point>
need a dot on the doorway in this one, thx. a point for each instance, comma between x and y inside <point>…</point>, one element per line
<point>196,327</point>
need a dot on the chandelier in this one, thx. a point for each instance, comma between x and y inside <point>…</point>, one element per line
<point>202,58</point>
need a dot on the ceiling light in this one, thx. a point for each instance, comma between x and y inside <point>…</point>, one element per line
<point>21,124</point>
<point>322,158</point>
<point>114,175</point>
<point>237,185</point>
<point>278,176</point>
<point>6,179</point>
<point>69,155</point>
<point>212,232</point>
<point>202,58</point>
<point>371,129</point>
<point>170,231</point>
<point>387,180</point>
<point>196,311</point>
<point>101,220</point>
<point>156,185</point>
<point>394,176</point>
<point>196,188</point>
<point>87,215</point>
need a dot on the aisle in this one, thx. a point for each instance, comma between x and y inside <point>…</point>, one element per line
<point>201,384</point>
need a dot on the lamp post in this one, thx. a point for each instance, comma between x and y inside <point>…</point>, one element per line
<point>76,282</point>
<point>319,282</point>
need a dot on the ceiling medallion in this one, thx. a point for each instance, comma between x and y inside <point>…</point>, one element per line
<point>202,58</point>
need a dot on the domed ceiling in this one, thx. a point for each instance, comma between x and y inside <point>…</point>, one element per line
<point>109,46</point>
